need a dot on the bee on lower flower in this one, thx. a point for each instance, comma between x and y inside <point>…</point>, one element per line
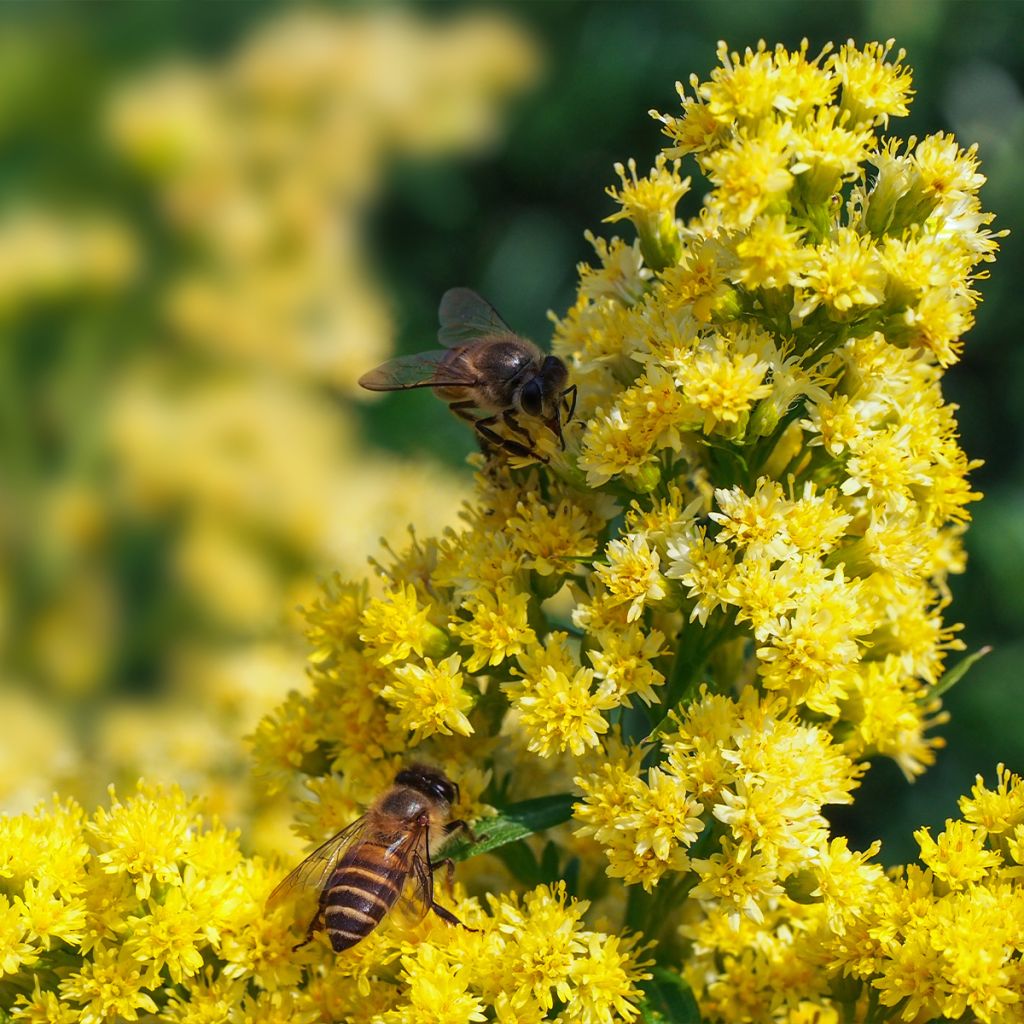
<point>361,872</point>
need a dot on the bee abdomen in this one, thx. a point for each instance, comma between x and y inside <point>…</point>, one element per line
<point>356,904</point>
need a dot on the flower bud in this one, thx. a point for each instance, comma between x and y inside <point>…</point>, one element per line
<point>436,642</point>
<point>801,885</point>
<point>659,239</point>
<point>726,306</point>
<point>645,479</point>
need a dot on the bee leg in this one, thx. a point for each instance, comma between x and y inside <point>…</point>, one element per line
<point>570,401</point>
<point>447,915</point>
<point>455,826</point>
<point>464,411</point>
<point>314,926</point>
<point>425,874</point>
<point>484,428</point>
<point>449,875</point>
<point>509,417</point>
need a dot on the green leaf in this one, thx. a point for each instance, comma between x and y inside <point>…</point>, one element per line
<point>571,877</point>
<point>520,860</point>
<point>666,724</point>
<point>954,675</point>
<point>668,1000</point>
<point>513,822</point>
<point>549,861</point>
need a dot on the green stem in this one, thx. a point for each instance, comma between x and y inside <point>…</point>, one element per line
<point>871,1016</point>
<point>686,664</point>
<point>652,914</point>
<point>692,654</point>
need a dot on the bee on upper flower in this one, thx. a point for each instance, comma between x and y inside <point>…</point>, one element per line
<point>486,367</point>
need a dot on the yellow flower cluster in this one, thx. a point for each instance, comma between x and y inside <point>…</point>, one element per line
<point>727,594</point>
<point>771,395</point>
<point>732,759</point>
<point>534,952</point>
<point>147,911</point>
<point>942,941</point>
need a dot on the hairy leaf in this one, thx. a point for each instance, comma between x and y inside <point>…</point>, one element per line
<point>513,822</point>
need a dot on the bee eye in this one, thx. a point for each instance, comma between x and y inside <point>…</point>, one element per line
<point>530,398</point>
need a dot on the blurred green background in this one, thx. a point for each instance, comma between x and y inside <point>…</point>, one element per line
<point>487,180</point>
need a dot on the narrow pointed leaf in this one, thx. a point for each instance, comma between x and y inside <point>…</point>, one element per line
<point>955,674</point>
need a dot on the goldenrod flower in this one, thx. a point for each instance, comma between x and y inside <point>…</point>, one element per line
<point>846,272</point>
<point>752,533</point>
<point>998,810</point>
<point>722,385</point>
<point>958,857</point>
<point>625,660</point>
<point>109,987</point>
<point>562,712</point>
<point>498,627</point>
<point>650,203</point>
<point>430,699</point>
<point>44,1007</point>
<point>873,90</point>
<point>282,740</point>
<point>631,575</point>
<point>771,254</point>
<point>16,952</point>
<point>169,936</point>
<point>734,885</point>
<point>554,536</point>
<point>437,991</point>
<point>398,625</point>
<point>751,174</point>
<point>146,837</point>
<point>48,917</point>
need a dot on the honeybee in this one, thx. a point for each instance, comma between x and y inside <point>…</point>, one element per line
<point>485,366</point>
<point>361,872</point>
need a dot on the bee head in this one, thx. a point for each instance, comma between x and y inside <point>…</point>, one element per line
<point>431,782</point>
<point>542,395</point>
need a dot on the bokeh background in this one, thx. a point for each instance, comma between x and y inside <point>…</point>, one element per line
<point>213,217</point>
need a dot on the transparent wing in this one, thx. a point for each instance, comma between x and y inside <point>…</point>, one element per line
<point>465,317</point>
<point>416,896</point>
<point>313,872</point>
<point>423,370</point>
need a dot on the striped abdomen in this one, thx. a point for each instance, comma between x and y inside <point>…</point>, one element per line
<point>362,889</point>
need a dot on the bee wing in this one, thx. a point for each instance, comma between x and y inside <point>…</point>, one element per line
<point>466,317</point>
<point>313,872</point>
<point>423,370</point>
<point>416,896</point>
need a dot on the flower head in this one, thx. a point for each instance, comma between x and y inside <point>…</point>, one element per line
<point>430,699</point>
